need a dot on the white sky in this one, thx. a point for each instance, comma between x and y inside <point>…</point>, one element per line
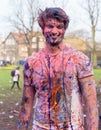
<point>4,12</point>
<point>72,9</point>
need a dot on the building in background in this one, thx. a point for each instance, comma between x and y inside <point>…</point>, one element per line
<point>14,47</point>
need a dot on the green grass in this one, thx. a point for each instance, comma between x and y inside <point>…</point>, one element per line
<point>9,100</point>
<point>97,74</point>
<point>5,76</point>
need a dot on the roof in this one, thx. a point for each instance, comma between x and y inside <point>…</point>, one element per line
<point>98,45</point>
<point>19,37</point>
<point>76,43</point>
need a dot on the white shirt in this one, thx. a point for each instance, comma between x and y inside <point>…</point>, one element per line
<point>17,73</point>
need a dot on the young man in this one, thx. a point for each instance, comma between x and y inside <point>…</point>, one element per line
<point>58,78</point>
<point>15,78</point>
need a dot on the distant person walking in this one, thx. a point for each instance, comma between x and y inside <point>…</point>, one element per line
<point>15,76</point>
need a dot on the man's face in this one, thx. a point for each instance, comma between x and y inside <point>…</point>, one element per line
<point>54,32</point>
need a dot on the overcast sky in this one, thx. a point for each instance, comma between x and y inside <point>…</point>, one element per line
<point>71,8</point>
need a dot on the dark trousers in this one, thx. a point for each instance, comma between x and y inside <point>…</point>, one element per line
<point>17,83</point>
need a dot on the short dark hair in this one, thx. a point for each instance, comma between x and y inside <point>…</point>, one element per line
<point>55,13</point>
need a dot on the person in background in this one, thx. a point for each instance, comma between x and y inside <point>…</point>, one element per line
<point>15,77</point>
<point>57,80</point>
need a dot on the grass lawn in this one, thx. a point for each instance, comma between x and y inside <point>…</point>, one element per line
<point>10,99</point>
<point>97,74</point>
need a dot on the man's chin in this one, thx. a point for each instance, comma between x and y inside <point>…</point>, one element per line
<point>54,44</point>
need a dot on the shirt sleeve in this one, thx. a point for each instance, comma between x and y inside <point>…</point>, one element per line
<point>27,74</point>
<point>84,66</point>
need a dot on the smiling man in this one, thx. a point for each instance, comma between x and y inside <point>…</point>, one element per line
<point>56,79</point>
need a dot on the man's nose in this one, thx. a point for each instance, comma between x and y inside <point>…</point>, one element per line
<point>55,30</point>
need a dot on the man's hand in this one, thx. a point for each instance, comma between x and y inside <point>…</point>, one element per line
<point>23,120</point>
<point>23,124</point>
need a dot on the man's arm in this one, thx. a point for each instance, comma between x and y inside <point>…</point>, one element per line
<point>26,106</point>
<point>90,100</point>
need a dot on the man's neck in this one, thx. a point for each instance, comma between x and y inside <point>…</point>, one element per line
<point>52,50</point>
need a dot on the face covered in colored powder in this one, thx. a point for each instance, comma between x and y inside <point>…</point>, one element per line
<point>54,32</point>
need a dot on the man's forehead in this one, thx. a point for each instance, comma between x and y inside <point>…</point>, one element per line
<point>53,20</point>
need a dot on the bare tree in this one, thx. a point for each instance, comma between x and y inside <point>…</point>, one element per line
<point>92,9</point>
<point>24,18</point>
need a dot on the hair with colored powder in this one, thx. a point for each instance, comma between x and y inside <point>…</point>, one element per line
<point>54,13</point>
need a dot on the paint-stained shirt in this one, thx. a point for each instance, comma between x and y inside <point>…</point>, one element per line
<point>58,92</point>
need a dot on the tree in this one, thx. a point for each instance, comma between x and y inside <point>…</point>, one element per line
<point>92,9</point>
<point>24,18</point>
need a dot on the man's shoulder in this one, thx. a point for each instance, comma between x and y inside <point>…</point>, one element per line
<point>34,57</point>
<point>75,55</point>
<point>71,51</point>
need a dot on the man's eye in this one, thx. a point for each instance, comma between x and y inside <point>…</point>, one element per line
<point>60,27</point>
<point>50,26</point>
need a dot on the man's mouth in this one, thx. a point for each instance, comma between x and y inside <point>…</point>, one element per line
<point>54,38</point>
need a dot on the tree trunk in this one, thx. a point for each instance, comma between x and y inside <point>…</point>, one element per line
<point>29,49</point>
<point>94,47</point>
<point>37,44</point>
